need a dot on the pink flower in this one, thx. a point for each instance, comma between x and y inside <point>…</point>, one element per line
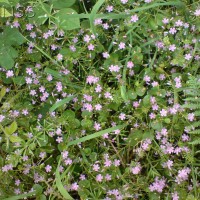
<point>9,73</point>
<point>105,54</point>
<point>168,164</point>
<point>136,169</point>
<point>90,47</point>
<point>121,45</point>
<point>96,167</point>
<point>97,126</point>
<point>2,118</point>
<point>147,78</point>
<point>29,27</point>
<point>165,20</point>
<point>116,163</point>
<point>124,1</point>
<point>109,8</point>
<point>134,18</point>
<point>188,56</point>
<point>92,79</point>
<point>172,47</point>
<point>191,117</point>
<point>157,185</point>
<point>114,68</point>
<point>107,163</point>
<point>175,196</point>
<point>163,113</point>
<point>108,177</point>
<point>122,116</point>
<point>183,175</point>
<point>136,104</point>
<point>98,107</point>
<point>74,186</point>
<point>172,31</point>
<point>48,168</point>
<point>59,57</point>
<point>99,178</point>
<point>197,13</point>
<point>130,64</point>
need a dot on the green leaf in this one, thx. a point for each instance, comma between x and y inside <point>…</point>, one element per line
<point>59,4</point>
<point>14,138</point>
<point>66,23</point>
<point>19,80</point>
<point>22,196</point>
<point>11,36</point>
<point>95,135</point>
<point>123,93</point>
<point>140,91</point>
<point>60,186</point>
<point>2,93</point>
<point>11,129</point>
<point>40,16</point>
<point>38,188</point>
<point>135,137</point>
<point>4,1</point>
<point>60,103</point>
<point>6,58</point>
<point>94,12</point>
<point>131,94</point>
<point>4,12</point>
<point>8,38</point>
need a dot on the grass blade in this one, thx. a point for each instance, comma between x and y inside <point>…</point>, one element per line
<point>94,12</point>
<point>21,196</point>
<point>60,103</point>
<point>94,135</point>
<point>60,186</point>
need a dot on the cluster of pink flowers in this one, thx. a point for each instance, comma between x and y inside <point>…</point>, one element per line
<point>158,185</point>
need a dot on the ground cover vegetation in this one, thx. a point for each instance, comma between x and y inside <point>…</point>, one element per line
<point>99,99</point>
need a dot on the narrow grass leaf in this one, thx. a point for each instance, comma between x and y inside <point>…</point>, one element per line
<point>60,103</point>
<point>60,186</point>
<point>95,135</point>
<point>22,196</point>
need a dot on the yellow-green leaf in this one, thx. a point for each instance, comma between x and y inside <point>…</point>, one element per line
<point>14,138</point>
<point>3,92</point>
<point>11,129</point>
<point>5,13</point>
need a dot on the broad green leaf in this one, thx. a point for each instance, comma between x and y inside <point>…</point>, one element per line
<point>8,38</point>
<point>59,4</point>
<point>95,135</point>
<point>11,129</point>
<point>38,188</point>
<point>11,36</point>
<point>60,103</point>
<point>66,23</point>
<point>135,137</point>
<point>19,80</point>
<point>14,138</point>
<point>40,16</point>
<point>131,94</point>
<point>5,13</point>
<point>7,56</point>
<point>140,91</point>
